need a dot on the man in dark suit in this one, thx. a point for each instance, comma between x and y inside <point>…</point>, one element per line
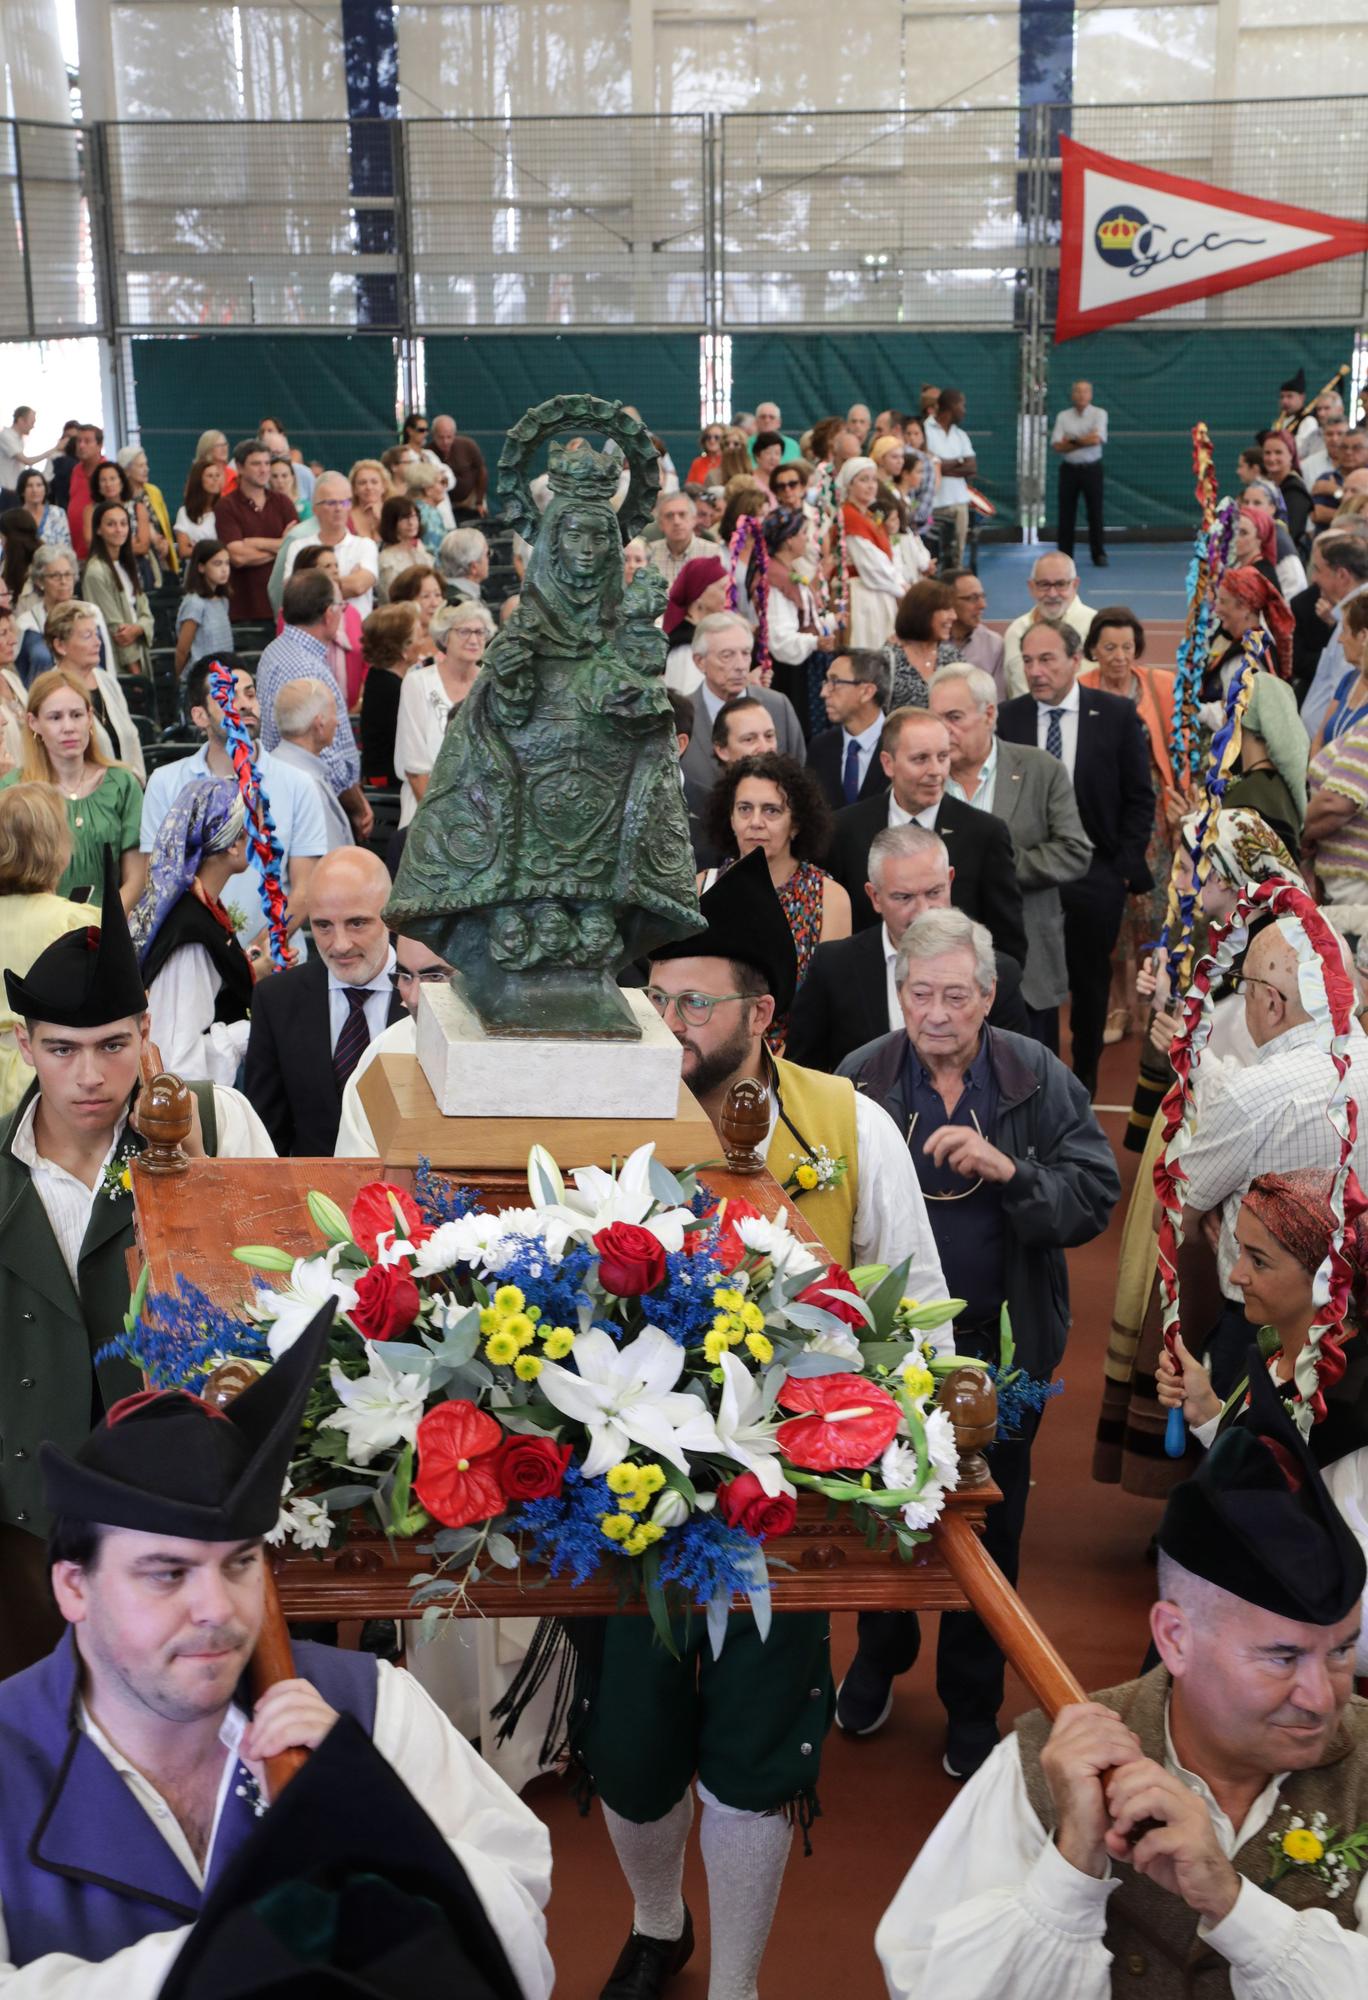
<point>311,1026</point>
<point>849,996</point>
<point>915,753</point>
<point>845,758</point>
<point>1101,742</point>
<point>722,647</point>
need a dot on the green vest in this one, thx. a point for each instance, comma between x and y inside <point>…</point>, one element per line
<point>1152,1935</point>
<point>818,1110</point>
<point>52,1329</point>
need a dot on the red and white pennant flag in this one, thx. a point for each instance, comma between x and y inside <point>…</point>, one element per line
<point>1135,240</point>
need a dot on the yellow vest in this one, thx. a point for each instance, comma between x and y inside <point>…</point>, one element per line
<point>821,1111</point>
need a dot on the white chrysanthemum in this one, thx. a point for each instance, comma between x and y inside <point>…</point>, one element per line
<point>898,1467</point>
<point>766,1236</point>
<point>941,1447</point>
<point>924,1512</point>
<point>842,1345</point>
<point>463,1241</point>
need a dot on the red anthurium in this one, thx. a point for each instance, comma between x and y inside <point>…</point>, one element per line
<point>730,1249</point>
<point>457,1478</point>
<point>379,1207</point>
<point>850,1422</point>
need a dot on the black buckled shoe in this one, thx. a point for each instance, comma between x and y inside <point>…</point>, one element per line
<point>646,1965</point>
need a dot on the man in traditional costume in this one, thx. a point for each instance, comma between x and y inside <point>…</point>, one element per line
<point>1295,420</point>
<point>1200,1831</point>
<point>749,1725</point>
<point>66,1226</point>
<point>132,1758</point>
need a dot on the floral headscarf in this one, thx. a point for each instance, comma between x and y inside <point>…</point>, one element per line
<point>1295,1209</point>
<point>1242,847</point>
<point>206,818</point>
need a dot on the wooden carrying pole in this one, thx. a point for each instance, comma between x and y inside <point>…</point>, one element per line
<point>1006,1617</point>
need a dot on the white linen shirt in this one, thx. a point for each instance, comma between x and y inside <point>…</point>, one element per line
<point>1068,726</point>
<point>355,1139</point>
<point>68,1202</point>
<point>943,444</point>
<point>990,1906</point>
<point>499,1841</point>
<point>1073,423</point>
<point>890,952</point>
<point>352,552</point>
<point>1268,1118</point>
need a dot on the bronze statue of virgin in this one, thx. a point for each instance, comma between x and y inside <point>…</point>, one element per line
<point>552,847</point>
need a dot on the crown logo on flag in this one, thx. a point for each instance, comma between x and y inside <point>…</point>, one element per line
<point>1116,234</point>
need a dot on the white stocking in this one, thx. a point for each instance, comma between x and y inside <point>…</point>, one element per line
<point>745,1855</point>
<point>651,1855</point>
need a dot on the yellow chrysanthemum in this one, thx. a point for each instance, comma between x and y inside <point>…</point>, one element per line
<point>760,1347</point>
<point>617,1527</point>
<point>1300,1844</point>
<point>490,1321</point>
<point>715,1346</point>
<point>559,1342</point>
<point>126,1179</point>
<point>633,1502</point>
<point>622,1478</point>
<point>527,1367</point>
<point>534,1314</point>
<point>806,1176</point>
<point>736,1330</point>
<point>501,1349</point>
<point>918,1381</point>
<point>521,1329</point>
<point>752,1318</point>
<point>728,1299</point>
<point>650,1478</point>
<point>509,1299</point>
<point>909,1305</point>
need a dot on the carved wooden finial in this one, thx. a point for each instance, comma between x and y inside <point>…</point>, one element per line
<point>969,1398</point>
<point>744,1126</point>
<point>226,1381</point>
<point>165,1114</point>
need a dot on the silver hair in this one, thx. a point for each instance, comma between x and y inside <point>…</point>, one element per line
<point>1055,555</point>
<point>460,550</point>
<point>939,931</point>
<point>300,704</point>
<point>715,622</point>
<point>982,687</point>
<point>447,617</point>
<point>900,843</point>
<point>48,553</point>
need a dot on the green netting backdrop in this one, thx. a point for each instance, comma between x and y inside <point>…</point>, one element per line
<point>1156,382</point>
<point>334,393</point>
<point>818,375</point>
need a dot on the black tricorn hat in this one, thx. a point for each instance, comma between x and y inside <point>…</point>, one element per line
<point>344,1888</point>
<point>744,920</point>
<point>1257,1520</point>
<point>1297,384</point>
<point>167,1463</point>
<point>86,978</point>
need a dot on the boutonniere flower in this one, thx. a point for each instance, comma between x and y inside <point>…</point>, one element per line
<point>815,1172</point>
<point>1314,1847</point>
<point>117,1178</point>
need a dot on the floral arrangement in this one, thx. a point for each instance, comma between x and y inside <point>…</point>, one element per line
<point>624,1373</point>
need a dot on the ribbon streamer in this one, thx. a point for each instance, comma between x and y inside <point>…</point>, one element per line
<point>262,836</point>
<point>833,593</point>
<point>747,535</point>
<point>1327,994</point>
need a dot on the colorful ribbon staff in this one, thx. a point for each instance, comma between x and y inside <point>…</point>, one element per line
<point>833,594</point>
<point>746,535</point>
<point>1211,553</point>
<point>1328,996</point>
<point>262,836</point>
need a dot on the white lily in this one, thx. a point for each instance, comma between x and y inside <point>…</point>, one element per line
<point>625,1396</point>
<point>600,1198</point>
<point>381,1408</point>
<point>744,1429</point>
<point>313,1281</point>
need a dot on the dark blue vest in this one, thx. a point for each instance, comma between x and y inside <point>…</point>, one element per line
<point>82,1867</point>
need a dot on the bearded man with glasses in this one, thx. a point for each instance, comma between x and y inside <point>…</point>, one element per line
<point>749,1725</point>
<point>1014,1169</point>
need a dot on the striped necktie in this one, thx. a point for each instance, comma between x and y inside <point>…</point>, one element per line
<point>355,1036</point>
<point>1054,739</point>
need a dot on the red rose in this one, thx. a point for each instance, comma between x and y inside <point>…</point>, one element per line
<point>851,1421</point>
<point>631,1259</point>
<point>835,1278</point>
<point>743,1503</point>
<point>379,1207</point>
<point>386,1302</point>
<point>457,1478</point>
<point>532,1468</point>
<point>729,1249</point>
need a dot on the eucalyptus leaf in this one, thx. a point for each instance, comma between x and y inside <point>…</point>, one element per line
<point>815,1319</point>
<point>264,1257</point>
<point>430,1624</point>
<point>807,1364</point>
<point>664,1186</point>
<point>502,1551</point>
<point>454,1541</point>
<point>852,1299</point>
<point>436,1587</point>
<point>338,1499</point>
<point>718,1612</point>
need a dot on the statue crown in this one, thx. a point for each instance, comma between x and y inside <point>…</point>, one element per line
<point>576,468</point>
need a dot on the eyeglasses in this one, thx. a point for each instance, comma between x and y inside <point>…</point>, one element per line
<point>694,1009</point>
<point>788,480</point>
<point>839,681</point>
<point>431,975</point>
<point>1242,979</point>
<point>421,429</point>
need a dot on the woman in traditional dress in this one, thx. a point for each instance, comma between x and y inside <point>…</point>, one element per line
<point>198,978</point>
<point>791,616</point>
<point>699,589</point>
<point>772,803</point>
<point>873,580</point>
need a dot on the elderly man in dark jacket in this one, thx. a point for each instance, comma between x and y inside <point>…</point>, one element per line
<point>1014,1169</point>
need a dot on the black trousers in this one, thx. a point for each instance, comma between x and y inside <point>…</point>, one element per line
<point>1228,1347</point>
<point>1093,909</point>
<point>969,1662</point>
<point>1045,1027</point>
<point>1083,481</point>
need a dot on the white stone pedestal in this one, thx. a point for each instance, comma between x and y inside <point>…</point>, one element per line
<point>473,1074</point>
